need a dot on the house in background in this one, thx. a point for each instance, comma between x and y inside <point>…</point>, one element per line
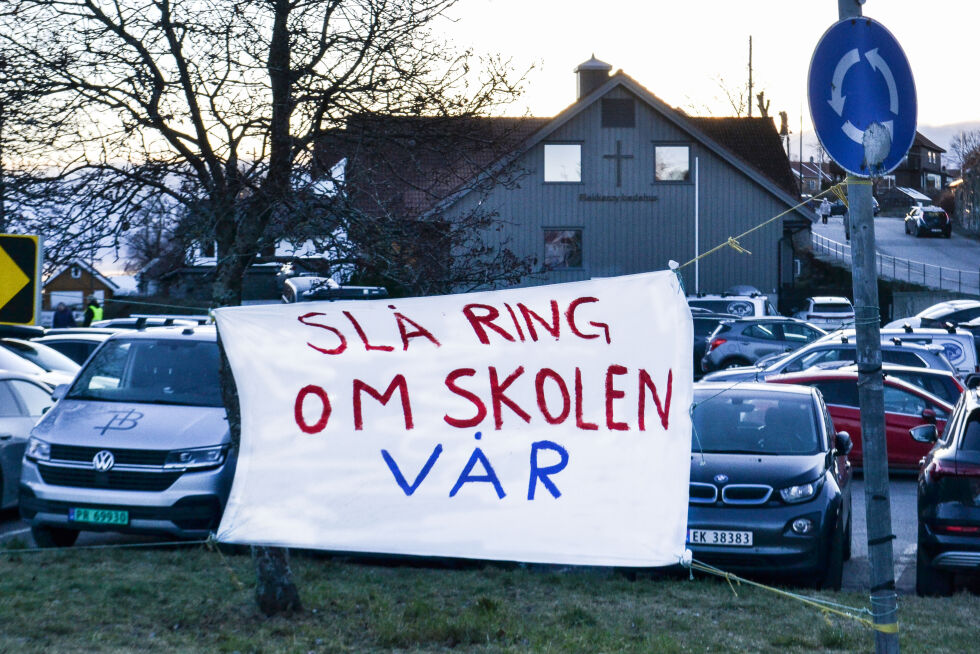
<point>73,283</point>
<point>920,174</point>
<point>812,176</point>
<point>617,183</point>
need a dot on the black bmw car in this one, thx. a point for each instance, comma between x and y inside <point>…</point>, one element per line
<point>770,489</point>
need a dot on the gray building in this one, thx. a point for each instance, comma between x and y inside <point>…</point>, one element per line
<point>621,183</point>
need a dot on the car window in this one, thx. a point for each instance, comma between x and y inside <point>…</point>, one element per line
<point>832,308</point>
<point>42,355</point>
<point>9,408</point>
<point>34,398</point>
<point>824,355</point>
<point>900,401</point>
<point>839,392</point>
<point>971,435</point>
<point>939,385</point>
<point>795,332</point>
<point>761,331</point>
<point>159,371</point>
<point>753,423</point>
<point>902,358</point>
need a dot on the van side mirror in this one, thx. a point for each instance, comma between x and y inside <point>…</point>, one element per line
<point>842,443</point>
<point>924,434</point>
<point>59,392</point>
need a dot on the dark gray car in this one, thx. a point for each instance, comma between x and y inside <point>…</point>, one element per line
<point>744,341</point>
<point>23,401</point>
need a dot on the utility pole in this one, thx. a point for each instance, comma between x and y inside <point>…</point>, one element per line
<point>750,75</point>
<point>877,503</point>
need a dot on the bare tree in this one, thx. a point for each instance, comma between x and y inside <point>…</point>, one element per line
<point>964,147</point>
<point>218,106</point>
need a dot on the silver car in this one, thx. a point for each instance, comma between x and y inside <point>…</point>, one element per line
<point>743,342</point>
<point>23,400</point>
<point>139,443</point>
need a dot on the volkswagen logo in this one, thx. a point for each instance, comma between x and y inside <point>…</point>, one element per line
<point>103,461</point>
<point>721,479</point>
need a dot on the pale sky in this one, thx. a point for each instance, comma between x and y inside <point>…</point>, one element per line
<point>678,50</point>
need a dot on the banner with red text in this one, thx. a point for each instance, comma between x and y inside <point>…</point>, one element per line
<point>546,424</point>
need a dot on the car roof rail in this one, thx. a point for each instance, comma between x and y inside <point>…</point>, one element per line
<point>141,323</point>
<point>950,327</point>
<point>896,340</point>
<point>908,328</point>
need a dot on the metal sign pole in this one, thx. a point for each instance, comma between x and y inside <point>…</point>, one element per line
<point>884,601</point>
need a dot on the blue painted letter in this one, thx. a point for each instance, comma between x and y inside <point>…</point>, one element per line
<point>465,476</point>
<point>422,474</point>
<point>542,473</point>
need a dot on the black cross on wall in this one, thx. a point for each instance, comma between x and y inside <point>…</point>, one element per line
<point>618,157</point>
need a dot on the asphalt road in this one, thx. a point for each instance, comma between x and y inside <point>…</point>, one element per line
<point>856,571</point>
<point>956,252</point>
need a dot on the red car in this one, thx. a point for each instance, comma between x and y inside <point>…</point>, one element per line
<point>906,406</point>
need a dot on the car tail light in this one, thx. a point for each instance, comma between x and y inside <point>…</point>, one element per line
<point>958,529</point>
<point>716,342</point>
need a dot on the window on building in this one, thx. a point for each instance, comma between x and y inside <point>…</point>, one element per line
<point>932,181</point>
<point>886,181</point>
<point>811,184</point>
<point>562,248</point>
<point>618,112</point>
<point>562,162</point>
<point>672,163</point>
<point>76,271</point>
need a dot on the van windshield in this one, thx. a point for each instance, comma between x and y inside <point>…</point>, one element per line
<point>152,371</point>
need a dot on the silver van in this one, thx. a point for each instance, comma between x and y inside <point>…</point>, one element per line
<point>138,443</point>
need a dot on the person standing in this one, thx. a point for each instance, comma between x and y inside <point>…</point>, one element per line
<point>93,312</point>
<point>824,210</point>
<point>63,316</point>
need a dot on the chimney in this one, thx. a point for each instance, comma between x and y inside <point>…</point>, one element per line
<point>591,75</point>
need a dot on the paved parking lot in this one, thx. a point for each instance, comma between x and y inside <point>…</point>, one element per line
<point>856,570</point>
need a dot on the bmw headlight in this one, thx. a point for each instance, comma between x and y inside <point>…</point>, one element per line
<point>200,457</point>
<point>800,492</point>
<point>38,450</point>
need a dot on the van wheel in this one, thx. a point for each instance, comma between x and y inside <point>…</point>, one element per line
<point>930,581</point>
<point>47,537</point>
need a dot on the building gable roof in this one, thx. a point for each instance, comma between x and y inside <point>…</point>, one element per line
<point>921,140</point>
<point>710,134</point>
<point>87,268</point>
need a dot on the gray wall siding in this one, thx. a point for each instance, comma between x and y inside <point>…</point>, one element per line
<point>631,237</point>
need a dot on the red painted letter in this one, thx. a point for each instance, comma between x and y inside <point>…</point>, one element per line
<point>612,394</point>
<point>364,338</point>
<point>479,322</point>
<point>566,407</point>
<point>554,328</point>
<point>497,396</point>
<point>570,314</point>
<point>662,409</point>
<point>481,409</point>
<point>305,319</point>
<point>579,421</point>
<point>399,383</point>
<point>320,424</point>
<point>418,331</point>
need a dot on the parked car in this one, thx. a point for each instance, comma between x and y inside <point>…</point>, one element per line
<point>828,312</point>
<point>138,443</point>
<point>928,220</point>
<point>42,355</point>
<point>958,345</point>
<point>309,288</point>
<point>906,406</point>
<point>832,348</point>
<point>949,499</point>
<point>770,484</point>
<point>742,342</point>
<point>939,315</point>
<point>76,346</point>
<point>705,323</point>
<point>755,304</point>
<point>941,383</point>
<point>143,322</point>
<point>23,400</point>
<point>10,361</point>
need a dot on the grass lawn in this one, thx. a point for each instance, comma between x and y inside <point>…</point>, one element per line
<point>194,600</point>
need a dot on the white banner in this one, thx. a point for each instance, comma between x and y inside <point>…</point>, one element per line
<point>546,424</point>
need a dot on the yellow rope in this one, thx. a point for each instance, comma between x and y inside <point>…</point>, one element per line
<point>890,628</point>
<point>733,241</point>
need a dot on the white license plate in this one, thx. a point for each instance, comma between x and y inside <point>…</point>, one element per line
<point>719,537</point>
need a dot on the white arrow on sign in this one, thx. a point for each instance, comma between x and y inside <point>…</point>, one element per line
<point>878,64</point>
<point>836,99</point>
<point>857,135</point>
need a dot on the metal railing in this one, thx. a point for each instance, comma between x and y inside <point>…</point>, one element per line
<point>905,270</point>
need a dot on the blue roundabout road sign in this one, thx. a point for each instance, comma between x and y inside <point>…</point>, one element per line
<point>862,97</point>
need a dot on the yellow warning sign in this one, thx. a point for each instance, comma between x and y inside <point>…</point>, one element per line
<point>19,278</point>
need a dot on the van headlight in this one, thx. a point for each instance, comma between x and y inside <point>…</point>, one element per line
<point>199,457</point>
<point>38,450</point>
<point>800,492</point>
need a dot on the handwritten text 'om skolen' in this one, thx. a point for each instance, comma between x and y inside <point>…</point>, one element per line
<point>517,323</point>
